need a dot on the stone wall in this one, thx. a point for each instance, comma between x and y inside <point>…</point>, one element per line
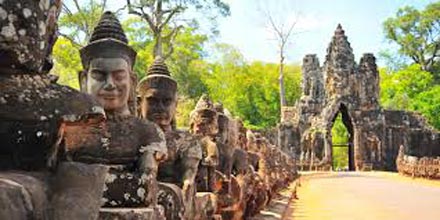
<point>426,167</point>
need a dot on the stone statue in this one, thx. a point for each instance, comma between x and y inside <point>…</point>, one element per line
<point>227,140</point>
<point>255,182</point>
<point>230,196</point>
<point>134,147</point>
<point>204,122</point>
<point>36,181</point>
<point>158,101</point>
<point>240,157</point>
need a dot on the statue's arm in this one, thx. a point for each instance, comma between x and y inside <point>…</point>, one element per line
<point>191,157</point>
<point>153,149</point>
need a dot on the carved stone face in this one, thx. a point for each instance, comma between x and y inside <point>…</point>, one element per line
<point>205,122</point>
<point>159,106</point>
<point>108,79</point>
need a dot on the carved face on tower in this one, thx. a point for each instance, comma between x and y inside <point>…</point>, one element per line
<point>108,61</point>
<point>158,95</point>
<point>204,118</point>
<point>27,34</point>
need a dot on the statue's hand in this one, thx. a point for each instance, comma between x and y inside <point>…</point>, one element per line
<point>148,164</point>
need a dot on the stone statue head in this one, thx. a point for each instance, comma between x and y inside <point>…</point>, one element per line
<point>158,95</point>
<point>108,62</point>
<point>27,34</point>
<point>204,118</point>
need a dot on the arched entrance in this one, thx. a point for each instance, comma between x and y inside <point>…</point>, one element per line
<point>343,148</point>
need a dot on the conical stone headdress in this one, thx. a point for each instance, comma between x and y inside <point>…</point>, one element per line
<point>108,41</point>
<point>158,77</point>
<point>204,107</point>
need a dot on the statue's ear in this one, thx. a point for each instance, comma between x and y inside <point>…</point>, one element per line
<point>82,78</point>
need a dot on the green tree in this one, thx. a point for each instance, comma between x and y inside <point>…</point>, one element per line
<point>141,39</point>
<point>411,89</point>
<point>417,33</point>
<point>187,62</point>
<point>79,18</point>
<point>162,17</point>
<point>399,89</point>
<point>428,104</point>
<point>67,62</point>
<point>250,90</point>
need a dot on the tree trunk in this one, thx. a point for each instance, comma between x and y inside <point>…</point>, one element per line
<point>281,81</point>
<point>158,45</point>
<point>158,32</point>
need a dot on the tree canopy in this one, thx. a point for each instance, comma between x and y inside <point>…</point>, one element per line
<point>162,18</point>
<point>413,83</point>
<point>417,33</point>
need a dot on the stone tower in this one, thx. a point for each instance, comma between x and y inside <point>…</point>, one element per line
<point>339,66</point>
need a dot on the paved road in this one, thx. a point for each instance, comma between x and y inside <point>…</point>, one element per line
<point>370,195</point>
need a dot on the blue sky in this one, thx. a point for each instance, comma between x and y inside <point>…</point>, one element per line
<point>247,27</point>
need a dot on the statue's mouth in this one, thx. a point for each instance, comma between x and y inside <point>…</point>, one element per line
<point>109,97</point>
<point>160,116</point>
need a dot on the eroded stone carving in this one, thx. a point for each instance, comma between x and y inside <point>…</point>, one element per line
<point>158,100</point>
<point>204,122</point>
<point>134,147</point>
<point>36,181</point>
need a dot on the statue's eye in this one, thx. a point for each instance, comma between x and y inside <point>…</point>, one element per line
<point>120,75</point>
<point>167,101</point>
<point>152,100</point>
<point>98,75</point>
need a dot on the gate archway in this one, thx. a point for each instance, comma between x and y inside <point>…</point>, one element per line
<point>349,145</point>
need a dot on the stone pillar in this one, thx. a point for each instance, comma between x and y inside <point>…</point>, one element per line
<point>358,151</point>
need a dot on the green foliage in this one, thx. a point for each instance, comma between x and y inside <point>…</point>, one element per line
<point>339,136</point>
<point>399,89</point>
<point>339,131</point>
<point>340,158</point>
<point>250,90</point>
<point>184,108</point>
<point>67,63</point>
<point>140,38</point>
<point>416,33</point>
<point>77,22</point>
<point>187,64</point>
<point>411,89</point>
<point>428,103</point>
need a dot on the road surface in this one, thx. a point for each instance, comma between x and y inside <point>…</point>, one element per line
<point>367,195</point>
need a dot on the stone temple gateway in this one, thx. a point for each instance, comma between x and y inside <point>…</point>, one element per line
<point>343,86</point>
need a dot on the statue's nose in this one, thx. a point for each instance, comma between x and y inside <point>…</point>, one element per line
<point>109,83</point>
<point>160,106</point>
